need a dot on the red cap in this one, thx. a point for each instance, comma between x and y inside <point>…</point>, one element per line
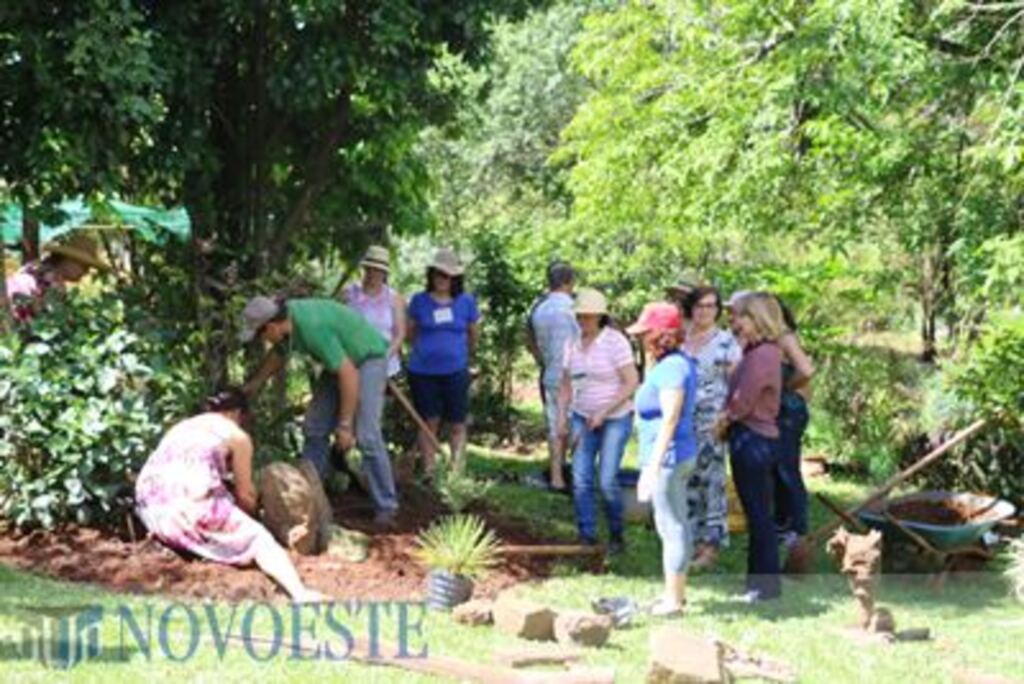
<point>656,316</point>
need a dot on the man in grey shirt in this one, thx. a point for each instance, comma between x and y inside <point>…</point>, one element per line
<point>551,328</point>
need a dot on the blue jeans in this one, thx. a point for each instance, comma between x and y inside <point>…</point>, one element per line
<point>671,517</point>
<point>753,458</point>
<point>608,442</point>
<point>322,419</point>
<point>790,492</point>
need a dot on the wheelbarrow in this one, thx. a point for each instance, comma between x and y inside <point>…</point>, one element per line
<point>946,520</point>
<point>948,526</point>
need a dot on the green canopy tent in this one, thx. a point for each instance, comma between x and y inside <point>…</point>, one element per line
<point>152,224</point>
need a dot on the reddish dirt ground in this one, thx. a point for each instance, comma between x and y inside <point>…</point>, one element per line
<point>81,554</point>
<point>933,512</point>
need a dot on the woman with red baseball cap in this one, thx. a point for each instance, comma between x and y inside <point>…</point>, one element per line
<point>668,444</point>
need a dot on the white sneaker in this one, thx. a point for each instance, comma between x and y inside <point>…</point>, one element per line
<point>664,608</point>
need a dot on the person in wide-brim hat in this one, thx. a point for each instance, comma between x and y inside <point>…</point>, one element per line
<point>381,305</point>
<point>442,327</point>
<point>447,262</point>
<point>80,248</point>
<point>65,262</point>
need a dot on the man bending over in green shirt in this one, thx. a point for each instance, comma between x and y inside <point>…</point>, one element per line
<point>348,397</point>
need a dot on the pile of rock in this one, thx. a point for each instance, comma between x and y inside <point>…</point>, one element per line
<point>536,622</point>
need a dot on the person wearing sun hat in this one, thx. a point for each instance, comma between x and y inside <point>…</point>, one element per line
<point>66,262</point>
<point>667,443</point>
<point>380,305</point>
<point>442,331</point>
<point>597,386</point>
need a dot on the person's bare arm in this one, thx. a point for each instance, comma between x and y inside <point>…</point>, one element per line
<point>240,445</point>
<point>474,337</point>
<point>790,346</point>
<point>410,331</point>
<point>564,397</point>
<point>531,343</point>
<point>348,387</point>
<point>398,324</point>
<point>271,364</point>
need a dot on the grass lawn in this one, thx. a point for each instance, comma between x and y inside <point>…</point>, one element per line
<point>975,624</point>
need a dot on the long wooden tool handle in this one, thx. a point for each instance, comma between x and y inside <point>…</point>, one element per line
<point>904,475</point>
<point>398,394</point>
<point>552,550</point>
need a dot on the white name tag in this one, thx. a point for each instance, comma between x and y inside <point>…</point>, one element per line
<point>443,315</point>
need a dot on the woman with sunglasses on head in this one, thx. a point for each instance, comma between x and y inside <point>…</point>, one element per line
<point>750,421</point>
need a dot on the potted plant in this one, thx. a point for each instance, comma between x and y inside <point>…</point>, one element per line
<point>456,549</point>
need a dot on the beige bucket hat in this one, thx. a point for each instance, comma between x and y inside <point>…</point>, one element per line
<point>377,257</point>
<point>447,261</point>
<point>590,301</point>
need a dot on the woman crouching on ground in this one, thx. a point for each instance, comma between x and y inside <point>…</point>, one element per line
<point>668,444</point>
<point>182,495</point>
<point>749,420</point>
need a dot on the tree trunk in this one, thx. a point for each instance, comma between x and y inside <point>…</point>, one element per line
<point>6,321</point>
<point>928,309</point>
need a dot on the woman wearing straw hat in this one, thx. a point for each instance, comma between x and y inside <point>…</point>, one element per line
<point>442,330</point>
<point>598,381</point>
<point>66,262</point>
<point>381,306</point>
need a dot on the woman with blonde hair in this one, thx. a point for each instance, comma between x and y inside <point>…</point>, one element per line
<point>750,421</point>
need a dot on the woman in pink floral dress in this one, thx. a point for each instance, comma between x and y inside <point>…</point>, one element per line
<point>183,499</point>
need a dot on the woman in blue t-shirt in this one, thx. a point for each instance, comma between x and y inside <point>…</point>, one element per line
<point>668,444</point>
<point>442,329</point>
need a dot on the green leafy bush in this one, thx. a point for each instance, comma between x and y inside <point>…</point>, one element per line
<point>985,382</point>
<point>866,404</point>
<point>991,376</point>
<point>86,393</point>
<point>456,488</point>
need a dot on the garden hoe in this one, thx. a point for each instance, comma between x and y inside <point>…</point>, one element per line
<point>801,556</point>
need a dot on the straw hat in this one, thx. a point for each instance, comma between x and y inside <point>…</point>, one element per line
<point>81,248</point>
<point>447,261</point>
<point>590,301</point>
<point>377,257</point>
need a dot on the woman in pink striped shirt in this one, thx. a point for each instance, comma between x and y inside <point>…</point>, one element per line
<point>597,386</point>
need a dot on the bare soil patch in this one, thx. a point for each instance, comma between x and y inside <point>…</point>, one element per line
<point>145,566</point>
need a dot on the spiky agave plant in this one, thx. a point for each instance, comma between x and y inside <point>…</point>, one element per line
<point>460,544</point>
<point>1015,572</point>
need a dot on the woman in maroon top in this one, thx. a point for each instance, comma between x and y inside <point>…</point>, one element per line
<point>750,421</point>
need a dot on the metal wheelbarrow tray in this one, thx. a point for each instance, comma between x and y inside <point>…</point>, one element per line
<point>947,520</point>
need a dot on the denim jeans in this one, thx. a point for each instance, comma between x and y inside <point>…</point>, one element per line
<point>607,443</point>
<point>753,458</point>
<point>322,419</point>
<point>671,517</point>
<point>790,492</point>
